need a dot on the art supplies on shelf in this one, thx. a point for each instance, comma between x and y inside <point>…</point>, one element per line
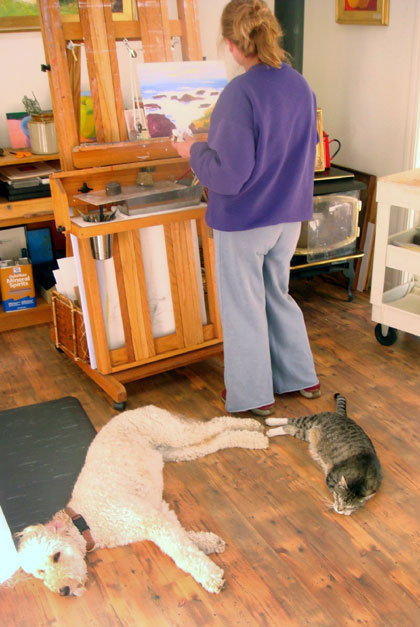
<point>21,171</point>
<point>137,200</point>
<point>17,284</point>
<point>26,180</point>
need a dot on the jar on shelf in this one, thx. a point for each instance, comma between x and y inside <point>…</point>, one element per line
<point>42,133</point>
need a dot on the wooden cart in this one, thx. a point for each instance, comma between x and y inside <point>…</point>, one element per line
<point>112,158</point>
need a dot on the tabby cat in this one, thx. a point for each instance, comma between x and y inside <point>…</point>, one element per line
<point>344,451</point>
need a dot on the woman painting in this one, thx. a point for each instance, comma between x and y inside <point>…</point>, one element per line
<point>258,166</point>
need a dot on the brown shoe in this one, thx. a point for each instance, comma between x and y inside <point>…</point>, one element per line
<point>312,392</point>
<point>265,410</point>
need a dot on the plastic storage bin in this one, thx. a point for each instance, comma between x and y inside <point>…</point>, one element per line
<point>333,229</point>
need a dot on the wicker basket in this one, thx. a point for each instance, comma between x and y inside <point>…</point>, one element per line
<point>69,327</point>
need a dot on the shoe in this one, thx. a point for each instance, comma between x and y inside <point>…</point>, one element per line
<point>265,410</point>
<point>312,392</point>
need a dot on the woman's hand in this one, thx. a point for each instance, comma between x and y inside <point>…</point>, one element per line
<point>183,147</point>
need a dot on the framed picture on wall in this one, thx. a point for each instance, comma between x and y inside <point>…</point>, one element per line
<point>369,12</point>
<point>23,15</point>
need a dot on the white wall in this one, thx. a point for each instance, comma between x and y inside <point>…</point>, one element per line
<point>21,57</point>
<point>22,54</point>
<point>366,79</point>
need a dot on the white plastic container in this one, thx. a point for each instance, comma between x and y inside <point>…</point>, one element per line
<point>42,134</point>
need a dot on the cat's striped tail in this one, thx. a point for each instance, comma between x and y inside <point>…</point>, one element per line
<point>340,404</point>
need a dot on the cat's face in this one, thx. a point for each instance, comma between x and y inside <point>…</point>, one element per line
<point>345,501</point>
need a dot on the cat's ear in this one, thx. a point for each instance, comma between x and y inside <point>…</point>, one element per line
<point>343,483</point>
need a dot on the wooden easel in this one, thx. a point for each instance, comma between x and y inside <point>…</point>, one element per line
<point>113,157</point>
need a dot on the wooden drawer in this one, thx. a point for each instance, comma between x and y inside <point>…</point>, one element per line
<point>25,210</point>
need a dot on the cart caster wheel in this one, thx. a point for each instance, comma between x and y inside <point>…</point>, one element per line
<point>58,349</point>
<point>119,406</point>
<point>388,339</point>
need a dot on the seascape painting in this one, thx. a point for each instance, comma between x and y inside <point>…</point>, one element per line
<point>180,97</point>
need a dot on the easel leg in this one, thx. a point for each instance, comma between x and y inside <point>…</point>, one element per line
<point>110,385</point>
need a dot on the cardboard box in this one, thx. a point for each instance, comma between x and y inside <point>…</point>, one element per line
<point>17,285</point>
<point>12,242</point>
<point>46,293</point>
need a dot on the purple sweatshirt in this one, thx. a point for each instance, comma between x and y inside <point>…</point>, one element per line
<point>258,163</point>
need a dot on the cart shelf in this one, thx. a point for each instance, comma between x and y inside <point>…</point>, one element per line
<point>397,308</point>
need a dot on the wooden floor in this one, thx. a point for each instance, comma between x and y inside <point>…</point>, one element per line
<point>289,560</point>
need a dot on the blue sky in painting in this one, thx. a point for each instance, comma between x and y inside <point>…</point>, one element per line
<point>182,77</point>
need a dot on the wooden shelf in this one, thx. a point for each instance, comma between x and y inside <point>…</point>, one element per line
<point>23,212</point>
<point>40,314</point>
<point>15,212</point>
<point>11,159</point>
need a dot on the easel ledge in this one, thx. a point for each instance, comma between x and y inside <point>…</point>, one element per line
<point>153,151</point>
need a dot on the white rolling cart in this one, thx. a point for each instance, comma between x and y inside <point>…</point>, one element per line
<point>399,307</point>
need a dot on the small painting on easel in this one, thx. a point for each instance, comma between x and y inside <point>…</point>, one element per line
<point>320,154</point>
<point>180,97</point>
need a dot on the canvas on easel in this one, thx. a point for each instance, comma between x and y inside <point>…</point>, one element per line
<point>180,96</point>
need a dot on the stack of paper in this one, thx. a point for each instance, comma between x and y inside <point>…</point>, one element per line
<point>26,180</point>
<point>66,280</point>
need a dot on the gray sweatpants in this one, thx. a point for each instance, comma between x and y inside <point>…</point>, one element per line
<point>266,346</point>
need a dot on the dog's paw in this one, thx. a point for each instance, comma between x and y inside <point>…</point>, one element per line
<point>250,424</point>
<point>260,441</point>
<point>217,544</point>
<point>207,541</point>
<point>214,582</point>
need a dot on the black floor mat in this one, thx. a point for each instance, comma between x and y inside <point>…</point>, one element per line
<point>42,450</point>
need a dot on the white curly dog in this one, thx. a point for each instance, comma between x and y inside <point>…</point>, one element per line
<point>117,498</point>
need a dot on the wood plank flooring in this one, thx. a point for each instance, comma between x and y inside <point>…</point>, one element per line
<point>289,559</point>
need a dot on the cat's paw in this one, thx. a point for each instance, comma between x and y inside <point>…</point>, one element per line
<point>275,422</point>
<point>276,431</point>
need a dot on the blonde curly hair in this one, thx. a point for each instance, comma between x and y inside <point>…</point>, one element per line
<point>253,28</point>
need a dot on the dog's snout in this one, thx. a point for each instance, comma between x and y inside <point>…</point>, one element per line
<point>65,591</point>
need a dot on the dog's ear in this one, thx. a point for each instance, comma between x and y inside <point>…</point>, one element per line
<point>26,533</point>
<point>55,525</point>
